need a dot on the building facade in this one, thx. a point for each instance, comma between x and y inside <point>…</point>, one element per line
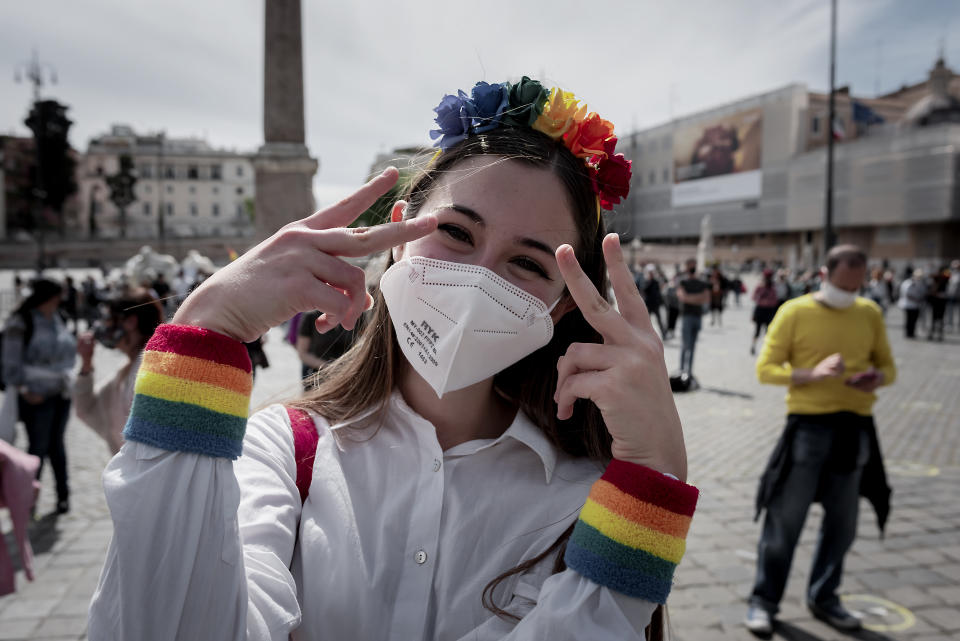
<point>184,188</point>
<point>758,168</point>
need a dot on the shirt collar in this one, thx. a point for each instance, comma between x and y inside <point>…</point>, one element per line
<point>522,429</point>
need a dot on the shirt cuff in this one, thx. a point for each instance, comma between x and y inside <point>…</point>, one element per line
<point>192,392</point>
<point>632,531</point>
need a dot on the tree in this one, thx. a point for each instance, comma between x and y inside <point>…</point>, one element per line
<point>54,180</point>
<point>121,190</point>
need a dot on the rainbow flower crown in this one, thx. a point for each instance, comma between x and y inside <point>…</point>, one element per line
<point>556,113</point>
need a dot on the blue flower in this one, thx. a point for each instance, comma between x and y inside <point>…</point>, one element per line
<point>453,118</point>
<point>487,105</point>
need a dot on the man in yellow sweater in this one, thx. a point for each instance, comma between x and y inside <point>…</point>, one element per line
<point>830,348</point>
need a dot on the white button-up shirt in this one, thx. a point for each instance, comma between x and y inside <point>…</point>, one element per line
<point>396,540</point>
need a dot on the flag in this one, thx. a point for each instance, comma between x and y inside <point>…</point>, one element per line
<point>232,254</point>
<point>838,132</point>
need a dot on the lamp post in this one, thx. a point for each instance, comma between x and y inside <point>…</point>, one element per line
<point>828,235</point>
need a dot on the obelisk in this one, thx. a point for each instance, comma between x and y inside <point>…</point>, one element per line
<point>284,168</point>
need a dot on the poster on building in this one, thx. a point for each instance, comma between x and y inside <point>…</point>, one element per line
<point>718,159</point>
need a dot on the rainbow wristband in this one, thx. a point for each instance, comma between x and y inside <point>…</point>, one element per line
<point>192,392</point>
<point>632,531</point>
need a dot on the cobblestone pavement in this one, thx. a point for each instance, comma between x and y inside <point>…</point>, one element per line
<point>906,586</point>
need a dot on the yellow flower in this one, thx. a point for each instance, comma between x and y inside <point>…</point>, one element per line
<point>561,112</point>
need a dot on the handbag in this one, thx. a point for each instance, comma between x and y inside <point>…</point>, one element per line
<point>9,414</point>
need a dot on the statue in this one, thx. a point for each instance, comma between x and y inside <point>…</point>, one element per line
<point>705,246</point>
<point>195,263</point>
<point>147,264</point>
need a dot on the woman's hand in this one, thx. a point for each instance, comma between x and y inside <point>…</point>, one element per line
<point>85,346</point>
<point>298,269</point>
<point>626,376</point>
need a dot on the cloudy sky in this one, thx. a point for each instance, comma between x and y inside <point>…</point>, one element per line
<point>374,70</point>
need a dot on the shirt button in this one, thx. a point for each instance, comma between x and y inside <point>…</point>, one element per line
<point>420,557</point>
<point>436,465</point>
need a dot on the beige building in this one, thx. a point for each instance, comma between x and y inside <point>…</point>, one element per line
<point>196,189</point>
<point>758,166</point>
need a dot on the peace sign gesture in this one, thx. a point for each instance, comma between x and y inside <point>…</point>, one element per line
<point>299,269</point>
<point>625,376</point>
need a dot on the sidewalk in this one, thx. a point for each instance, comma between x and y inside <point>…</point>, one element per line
<point>908,586</point>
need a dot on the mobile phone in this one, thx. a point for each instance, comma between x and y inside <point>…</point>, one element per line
<point>862,377</point>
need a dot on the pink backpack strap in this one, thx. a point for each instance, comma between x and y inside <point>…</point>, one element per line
<point>305,438</point>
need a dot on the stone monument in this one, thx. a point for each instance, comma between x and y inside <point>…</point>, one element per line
<point>284,168</point>
<point>705,246</point>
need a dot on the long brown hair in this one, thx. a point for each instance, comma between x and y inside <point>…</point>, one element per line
<point>365,375</point>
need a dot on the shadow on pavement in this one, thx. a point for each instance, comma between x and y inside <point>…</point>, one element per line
<point>727,392</point>
<point>790,632</point>
<point>44,533</point>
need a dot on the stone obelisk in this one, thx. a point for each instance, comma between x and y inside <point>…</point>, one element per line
<point>283,164</point>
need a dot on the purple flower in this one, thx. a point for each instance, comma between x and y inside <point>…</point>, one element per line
<point>453,118</point>
<point>487,105</point>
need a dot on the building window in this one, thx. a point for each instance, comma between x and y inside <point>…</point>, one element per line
<point>193,209</point>
<point>147,189</point>
<point>169,209</point>
<point>169,189</point>
<point>239,210</point>
<point>146,171</point>
<point>192,172</point>
<point>216,209</point>
<point>193,189</point>
<point>666,174</point>
<point>665,143</point>
<point>239,191</point>
<point>815,125</point>
<point>652,177</point>
<point>146,209</point>
<point>216,190</point>
<point>99,170</point>
<point>215,172</point>
<point>169,172</point>
<point>239,170</point>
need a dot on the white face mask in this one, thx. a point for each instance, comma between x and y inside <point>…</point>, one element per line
<point>836,297</point>
<point>458,324</point>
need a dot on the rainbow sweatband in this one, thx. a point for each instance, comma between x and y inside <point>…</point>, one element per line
<point>632,531</point>
<point>192,392</point>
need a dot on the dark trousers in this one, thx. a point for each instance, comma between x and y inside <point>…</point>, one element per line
<point>690,329</point>
<point>673,313</point>
<point>813,475</point>
<point>655,313</point>
<point>910,327</point>
<point>46,424</point>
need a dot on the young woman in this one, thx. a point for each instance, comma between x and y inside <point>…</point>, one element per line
<point>767,301</point>
<point>131,322</point>
<point>458,443</point>
<point>38,356</point>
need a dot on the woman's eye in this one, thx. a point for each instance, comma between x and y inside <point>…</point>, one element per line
<point>529,265</point>
<point>454,232</point>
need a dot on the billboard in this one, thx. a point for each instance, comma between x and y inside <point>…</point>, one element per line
<point>718,159</point>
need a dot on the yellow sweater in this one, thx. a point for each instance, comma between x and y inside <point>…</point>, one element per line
<point>804,332</point>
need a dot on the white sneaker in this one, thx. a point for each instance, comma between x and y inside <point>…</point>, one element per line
<point>758,621</point>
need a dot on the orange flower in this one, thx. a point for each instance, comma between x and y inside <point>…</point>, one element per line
<point>561,112</point>
<point>589,137</point>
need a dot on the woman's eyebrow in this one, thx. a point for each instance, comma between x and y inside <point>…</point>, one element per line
<point>532,243</point>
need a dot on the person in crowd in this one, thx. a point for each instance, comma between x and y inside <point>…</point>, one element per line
<point>830,348</point>
<point>952,320</point>
<point>431,486</point>
<point>181,288</point>
<point>877,289</point>
<point>937,301</point>
<point>672,303</point>
<point>913,291</point>
<point>163,289</point>
<point>652,297</point>
<point>693,294</point>
<point>738,288</point>
<point>126,326</point>
<point>719,286</point>
<point>784,291</point>
<point>316,349</point>
<point>38,356</point>
<point>91,301</point>
<point>69,304</point>
<point>766,304</point>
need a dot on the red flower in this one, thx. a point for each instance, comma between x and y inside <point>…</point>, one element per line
<point>613,180</point>
<point>589,136</point>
